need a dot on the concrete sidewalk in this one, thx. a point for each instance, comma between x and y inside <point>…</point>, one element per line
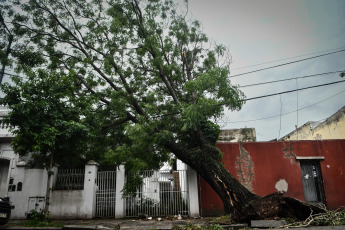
<point>106,224</point>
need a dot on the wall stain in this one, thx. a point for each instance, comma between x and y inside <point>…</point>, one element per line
<point>288,152</point>
<point>245,168</point>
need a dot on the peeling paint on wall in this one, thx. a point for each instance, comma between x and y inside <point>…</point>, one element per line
<point>288,152</point>
<point>237,135</point>
<point>245,168</point>
<point>282,186</point>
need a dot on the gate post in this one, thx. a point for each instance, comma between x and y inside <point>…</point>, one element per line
<point>120,201</point>
<point>192,178</point>
<point>89,192</point>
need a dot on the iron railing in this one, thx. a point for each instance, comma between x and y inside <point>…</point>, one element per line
<point>162,193</point>
<point>106,194</point>
<point>70,179</point>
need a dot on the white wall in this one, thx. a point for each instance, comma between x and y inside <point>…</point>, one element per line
<point>34,185</point>
<point>81,204</point>
<point>67,205</point>
<point>76,204</point>
<point>63,204</point>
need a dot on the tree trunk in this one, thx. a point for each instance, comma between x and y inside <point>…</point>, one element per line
<point>48,192</point>
<point>206,161</point>
<point>237,199</point>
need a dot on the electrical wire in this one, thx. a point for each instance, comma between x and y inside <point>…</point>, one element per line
<point>283,114</point>
<point>294,90</point>
<point>288,63</point>
<point>303,55</point>
<point>288,79</point>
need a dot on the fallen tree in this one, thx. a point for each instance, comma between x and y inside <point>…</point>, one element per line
<point>154,83</point>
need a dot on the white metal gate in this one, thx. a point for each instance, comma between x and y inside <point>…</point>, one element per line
<point>162,193</point>
<point>106,194</point>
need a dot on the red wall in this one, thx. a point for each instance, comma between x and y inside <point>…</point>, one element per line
<point>268,162</point>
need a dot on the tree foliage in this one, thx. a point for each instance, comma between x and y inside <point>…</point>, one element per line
<point>45,119</point>
<point>152,81</point>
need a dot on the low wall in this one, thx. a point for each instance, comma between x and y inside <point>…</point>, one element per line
<point>261,165</point>
<point>67,205</point>
<point>34,185</point>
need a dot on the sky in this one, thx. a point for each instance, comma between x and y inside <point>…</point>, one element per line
<point>264,31</point>
<point>277,32</point>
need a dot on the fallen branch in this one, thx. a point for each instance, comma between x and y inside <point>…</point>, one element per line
<point>333,218</point>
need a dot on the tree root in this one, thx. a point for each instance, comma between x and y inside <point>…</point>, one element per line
<point>276,206</point>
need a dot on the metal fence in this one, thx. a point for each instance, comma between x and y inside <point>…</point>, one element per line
<point>70,179</point>
<point>106,194</point>
<point>162,193</point>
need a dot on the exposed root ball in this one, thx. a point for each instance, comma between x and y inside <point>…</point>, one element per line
<point>276,206</point>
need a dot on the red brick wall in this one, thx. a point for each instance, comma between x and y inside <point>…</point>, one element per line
<point>262,164</point>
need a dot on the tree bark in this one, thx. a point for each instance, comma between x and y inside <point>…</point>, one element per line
<point>48,192</point>
<point>206,161</point>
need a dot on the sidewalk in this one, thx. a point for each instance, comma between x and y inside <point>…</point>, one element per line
<point>106,224</point>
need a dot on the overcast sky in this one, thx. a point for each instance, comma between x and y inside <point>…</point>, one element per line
<point>269,30</point>
<point>264,31</point>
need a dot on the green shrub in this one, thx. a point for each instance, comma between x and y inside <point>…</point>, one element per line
<point>39,219</point>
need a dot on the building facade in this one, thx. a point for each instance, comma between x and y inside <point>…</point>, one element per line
<point>332,128</point>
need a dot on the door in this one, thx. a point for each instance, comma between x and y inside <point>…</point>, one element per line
<point>4,168</point>
<point>312,182</point>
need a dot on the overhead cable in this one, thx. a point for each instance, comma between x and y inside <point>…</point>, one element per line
<point>303,55</point>
<point>283,114</point>
<point>288,63</point>
<point>269,82</point>
<point>290,91</point>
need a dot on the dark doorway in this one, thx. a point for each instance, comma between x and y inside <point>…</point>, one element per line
<point>312,182</point>
<point>4,170</point>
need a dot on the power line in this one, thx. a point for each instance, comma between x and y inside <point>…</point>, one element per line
<point>283,114</point>
<point>269,82</point>
<point>290,91</point>
<point>303,55</point>
<point>288,63</point>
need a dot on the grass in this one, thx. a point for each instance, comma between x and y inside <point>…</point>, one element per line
<point>201,227</point>
<point>226,219</point>
<point>44,224</point>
